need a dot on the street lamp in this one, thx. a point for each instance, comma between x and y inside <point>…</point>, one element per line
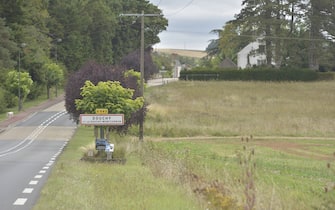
<point>20,100</point>
<point>57,41</point>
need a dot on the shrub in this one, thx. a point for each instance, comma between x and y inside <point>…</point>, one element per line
<point>10,99</point>
<point>3,103</point>
<point>254,74</point>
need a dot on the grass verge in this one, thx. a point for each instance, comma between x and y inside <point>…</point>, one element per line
<point>76,184</point>
<point>190,161</point>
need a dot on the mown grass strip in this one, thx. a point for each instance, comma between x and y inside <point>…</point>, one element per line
<point>76,184</point>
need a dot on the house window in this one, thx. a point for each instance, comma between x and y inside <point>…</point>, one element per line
<point>261,49</point>
<point>260,62</point>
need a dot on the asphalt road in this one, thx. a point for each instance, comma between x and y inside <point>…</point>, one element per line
<point>27,153</point>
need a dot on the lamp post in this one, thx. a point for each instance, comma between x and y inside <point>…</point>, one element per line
<point>19,83</point>
<point>57,41</point>
<point>56,56</point>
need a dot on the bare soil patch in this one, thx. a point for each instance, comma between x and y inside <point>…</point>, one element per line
<point>294,148</point>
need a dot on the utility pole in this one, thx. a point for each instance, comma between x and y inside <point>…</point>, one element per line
<point>142,15</point>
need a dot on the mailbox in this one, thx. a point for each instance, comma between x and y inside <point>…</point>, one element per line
<point>100,144</point>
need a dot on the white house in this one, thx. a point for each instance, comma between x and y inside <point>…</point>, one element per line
<point>176,69</point>
<point>252,55</point>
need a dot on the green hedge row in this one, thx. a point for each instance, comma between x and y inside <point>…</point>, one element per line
<point>255,75</point>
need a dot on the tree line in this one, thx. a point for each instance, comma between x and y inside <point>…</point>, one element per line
<point>296,33</point>
<point>53,39</point>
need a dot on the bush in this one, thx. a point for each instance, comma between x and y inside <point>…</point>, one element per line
<point>11,100</point>
<point>326,76</point>
<point>35,91</point>
<point>3,103</point>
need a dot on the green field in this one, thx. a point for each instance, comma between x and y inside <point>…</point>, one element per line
<point>193,156</point>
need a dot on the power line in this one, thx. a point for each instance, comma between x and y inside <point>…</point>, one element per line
<point>179,11</point>
<point>159,3</point>
<point>251,36</point>
<point>279,37</point>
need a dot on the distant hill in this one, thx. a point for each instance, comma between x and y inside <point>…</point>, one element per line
<point>188,53</point>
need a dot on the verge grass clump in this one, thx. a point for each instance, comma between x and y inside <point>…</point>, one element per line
<point>329,188</point>
<point>248,166</point>
<point>178,167</point>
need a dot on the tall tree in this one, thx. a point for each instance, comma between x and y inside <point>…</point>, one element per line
<point>316,15</point>
<point>132,61</point>
<point>94,30</point>
<point>7,47</point>
<point>27,20</point>
<point>19,81</point>
<point>54,75</point>
<point>254,21</point>
<point>70,21</point>
<point>293,30</point>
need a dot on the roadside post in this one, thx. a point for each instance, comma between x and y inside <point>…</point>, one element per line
<point>101,120</point>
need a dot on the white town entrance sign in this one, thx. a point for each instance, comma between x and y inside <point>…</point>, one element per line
<point>102,119</point>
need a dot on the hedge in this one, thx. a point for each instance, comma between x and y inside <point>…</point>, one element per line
<point>255,75</point>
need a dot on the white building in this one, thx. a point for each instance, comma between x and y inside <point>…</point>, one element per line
<point>252,55</point>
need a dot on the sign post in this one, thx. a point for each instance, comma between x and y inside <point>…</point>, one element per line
<point>101,119</point>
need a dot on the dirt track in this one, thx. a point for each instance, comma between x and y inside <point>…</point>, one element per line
<point>302,150</point>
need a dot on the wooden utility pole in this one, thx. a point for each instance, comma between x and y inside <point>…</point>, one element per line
<point>142,15</point>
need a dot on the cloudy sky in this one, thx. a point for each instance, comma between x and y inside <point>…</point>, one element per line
<point>191,21</point>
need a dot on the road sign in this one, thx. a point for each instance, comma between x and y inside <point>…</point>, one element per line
<point>101,111</point>
<point>102,119</point>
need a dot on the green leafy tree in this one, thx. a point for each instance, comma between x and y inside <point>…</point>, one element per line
<point>94,30</point>
<point>54,76</point>
<point>109,95</point>
<point>70,21</point>
<point>7,47</point>
<point>3,102</point>
<point>28,23</point>
<point>292,30</point>
<point>16,80</point>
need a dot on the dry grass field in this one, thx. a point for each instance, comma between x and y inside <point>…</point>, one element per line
<point>286,109</point>
<point>187,53</point>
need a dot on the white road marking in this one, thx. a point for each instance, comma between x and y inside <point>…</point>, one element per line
<point>50,163</point>
<point>20,201</point>
<point>45,167</point>
<point>33,182</point>
<point>42,171</point>
<point>32,137</point>
<point>38,176</point>
<point>28,190</point>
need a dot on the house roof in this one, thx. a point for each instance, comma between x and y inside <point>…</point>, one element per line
<point>227,63</point>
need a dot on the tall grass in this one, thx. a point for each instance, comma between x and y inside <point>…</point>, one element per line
<point>280,179</point>
<point>242,108</point>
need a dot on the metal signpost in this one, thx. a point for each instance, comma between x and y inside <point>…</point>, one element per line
<point>101,119</point>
